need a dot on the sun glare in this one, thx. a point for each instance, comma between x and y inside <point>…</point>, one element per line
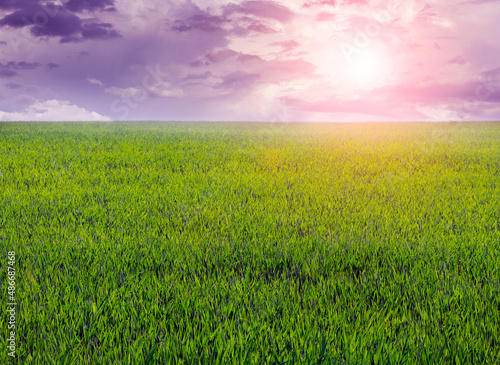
<point>369,69</point>
<point>365,69</point>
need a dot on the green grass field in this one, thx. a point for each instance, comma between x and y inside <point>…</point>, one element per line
<point>259,243</point>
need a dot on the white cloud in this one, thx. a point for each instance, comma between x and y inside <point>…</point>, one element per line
<point>53,110</point>
<point>126,93</point>
<point>440,112</point>
<point>166,90</point>
<point>95,81</point>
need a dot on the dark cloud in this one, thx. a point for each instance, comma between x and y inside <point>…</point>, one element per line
<point>14,4</point>
<point>72,5</point>
<point>10,69</point>
<point>246,20</point>
<point>3,43</point>
<point>93,30</point>
<point>59,20</point>
<point>52,65</point>
<point>21,65</point>
<point>90,5</point>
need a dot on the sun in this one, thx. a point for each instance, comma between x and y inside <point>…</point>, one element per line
<point>368,69</point>
<point>364,69</point>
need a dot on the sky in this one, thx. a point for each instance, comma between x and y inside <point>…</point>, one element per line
<point>218,60</point>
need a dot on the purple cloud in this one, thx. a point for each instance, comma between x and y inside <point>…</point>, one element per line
<point>10,69</point>
<point>202,21</point>
<point>90,5</point>
<point>241,59</point>
<point>21,65</point>
<point>6,73</point>
<point>238,80</point>
<point>12,85</point>
<point>259,28</point>
<point>58,21</point>
<point>52,65</point>
<point>263,9</point>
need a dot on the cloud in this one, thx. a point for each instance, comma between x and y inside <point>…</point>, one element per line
<point>59,20</point>
<point>12,85</point>
<point>94,30</point>
<point>217,56</point>
<point>239,80</point>
<point>10,68</point>
<point>242,59</point>
<point>202,21</point>
<point>95,81</point>
<point>52,110</point>
<point>21,65</point>
<point>165,89</point>
<point>6,73</point>
<point>124,92</point>
<point>161,89</point>
<point>90,5</point>
<point>236,19</point>
<point>262,9</point>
